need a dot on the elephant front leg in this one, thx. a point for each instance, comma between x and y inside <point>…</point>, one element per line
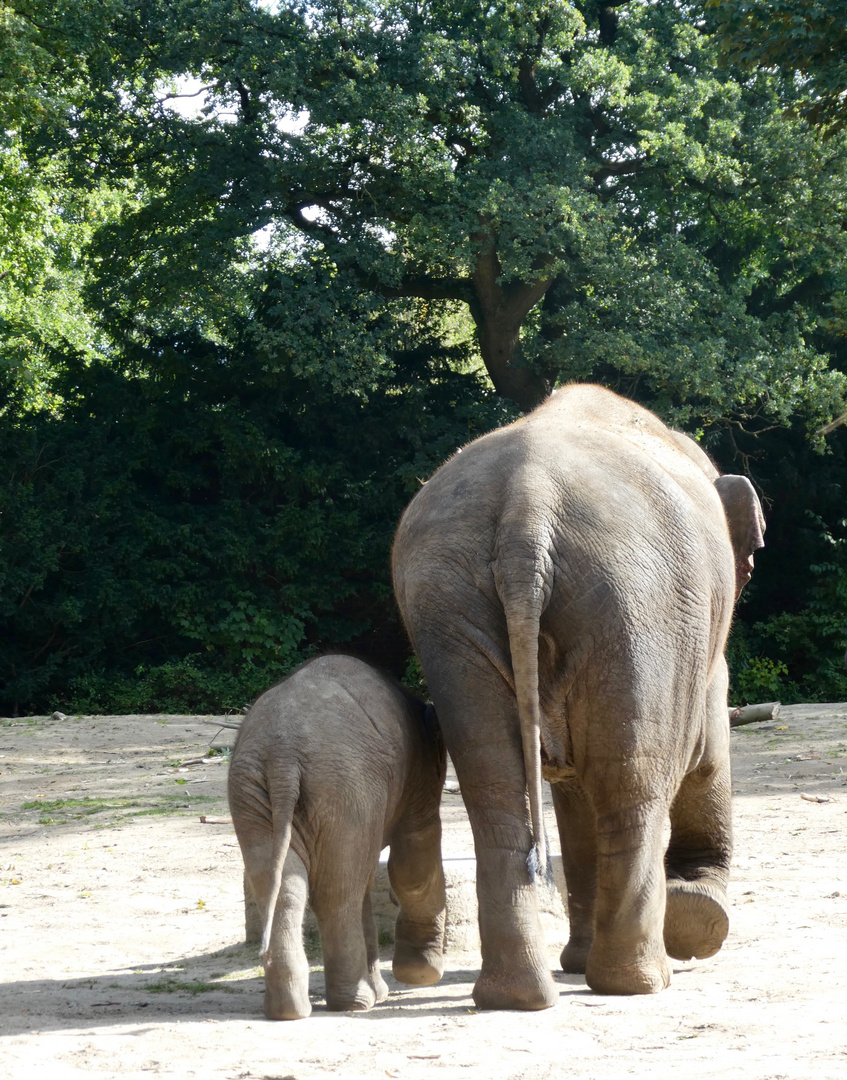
<point>697,866</point>
<point>578,838</point>
<point>700,849</point>
<point>417,878</point>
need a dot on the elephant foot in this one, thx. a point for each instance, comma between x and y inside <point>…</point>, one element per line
<point>287,1002</point>
<point>417,967</point>
<point>636,978</point>
<point>696,919</point>
<point>574,957</point>
<point>361,998</point>
<point>380,987</point>
<point>528,991</point>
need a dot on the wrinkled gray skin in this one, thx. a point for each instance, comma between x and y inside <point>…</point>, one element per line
<point>567,583</point>
<point>328,768</point>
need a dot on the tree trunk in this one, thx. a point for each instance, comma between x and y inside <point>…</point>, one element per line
<point>500,348</point>
<point>499,311</point>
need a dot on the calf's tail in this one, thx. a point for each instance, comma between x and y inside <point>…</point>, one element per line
<point>281,843</point>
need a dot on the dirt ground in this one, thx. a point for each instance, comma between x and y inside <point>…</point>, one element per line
<point>122,937</point>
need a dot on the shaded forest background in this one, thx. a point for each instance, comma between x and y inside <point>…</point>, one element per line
<point>264,266</point>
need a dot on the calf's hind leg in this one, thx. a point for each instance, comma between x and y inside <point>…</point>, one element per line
<point>629,775</point>
<point>286,964</point>
<point>341,903</point>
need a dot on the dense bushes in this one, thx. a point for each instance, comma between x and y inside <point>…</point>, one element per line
<point>190,525</point>
<point>790,631</point>
<point>185,531</point>
<point>796,654</point>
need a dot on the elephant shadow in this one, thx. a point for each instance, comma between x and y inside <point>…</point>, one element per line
<point>219,985</point>
<point>224,984</point>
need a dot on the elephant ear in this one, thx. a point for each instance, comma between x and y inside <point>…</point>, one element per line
<point>746,524</point>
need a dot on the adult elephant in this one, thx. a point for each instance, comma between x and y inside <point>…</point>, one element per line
<point>568,583</point>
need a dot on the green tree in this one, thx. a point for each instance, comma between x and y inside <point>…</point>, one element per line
<point>593,182</point>
<point>806,38</point>
<point>258,325</point>
<point>46,220</point>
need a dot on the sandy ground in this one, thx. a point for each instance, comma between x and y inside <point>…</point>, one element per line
<point>122,938</point>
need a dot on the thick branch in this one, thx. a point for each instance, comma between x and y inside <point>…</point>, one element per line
<point>499,311</point>
<point>625,167</point>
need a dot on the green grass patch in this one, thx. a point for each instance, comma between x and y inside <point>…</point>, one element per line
<point>22,721</point>
<point>65,811</point>
<point>169,985</point>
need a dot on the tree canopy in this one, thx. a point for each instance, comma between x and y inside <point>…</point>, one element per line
<point>593,183</point>
<point>805,38</point>
<point>264,265</point>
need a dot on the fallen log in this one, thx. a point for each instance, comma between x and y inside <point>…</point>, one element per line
<point>743,714</point>
<point>753,714</point>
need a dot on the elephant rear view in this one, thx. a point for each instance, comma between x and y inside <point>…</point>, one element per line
<point>568,584</point>
<point>330,767</point>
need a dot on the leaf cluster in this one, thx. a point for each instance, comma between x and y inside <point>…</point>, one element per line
<point>199,512</point>
<point>806,39</point>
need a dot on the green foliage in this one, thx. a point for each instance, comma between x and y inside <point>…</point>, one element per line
<point>798,656</point>
<point>46,220</point>
<point>194,683</point>
<point>233,341</point>
<point>758,678</point>
<point>806,37</point>
<point>600,187</point>
<point>75,811</point>
<point>182,533</point>
<point>413,678</point>
<point>46,228</point>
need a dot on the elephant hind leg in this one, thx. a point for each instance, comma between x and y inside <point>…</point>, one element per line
<point>253,924</point>
<point>628,954</point>
<point>341,903</point>
<point>482,732</point>
<point>286,964</point>
<point>578,838</point>
<point>380,987</point>
<point>417,878</point>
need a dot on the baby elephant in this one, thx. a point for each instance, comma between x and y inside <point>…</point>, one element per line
<point>329,767</point>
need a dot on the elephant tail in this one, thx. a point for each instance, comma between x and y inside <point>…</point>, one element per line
<point>281,844</point>
<point>523,622</point>
<point>525,668</point>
